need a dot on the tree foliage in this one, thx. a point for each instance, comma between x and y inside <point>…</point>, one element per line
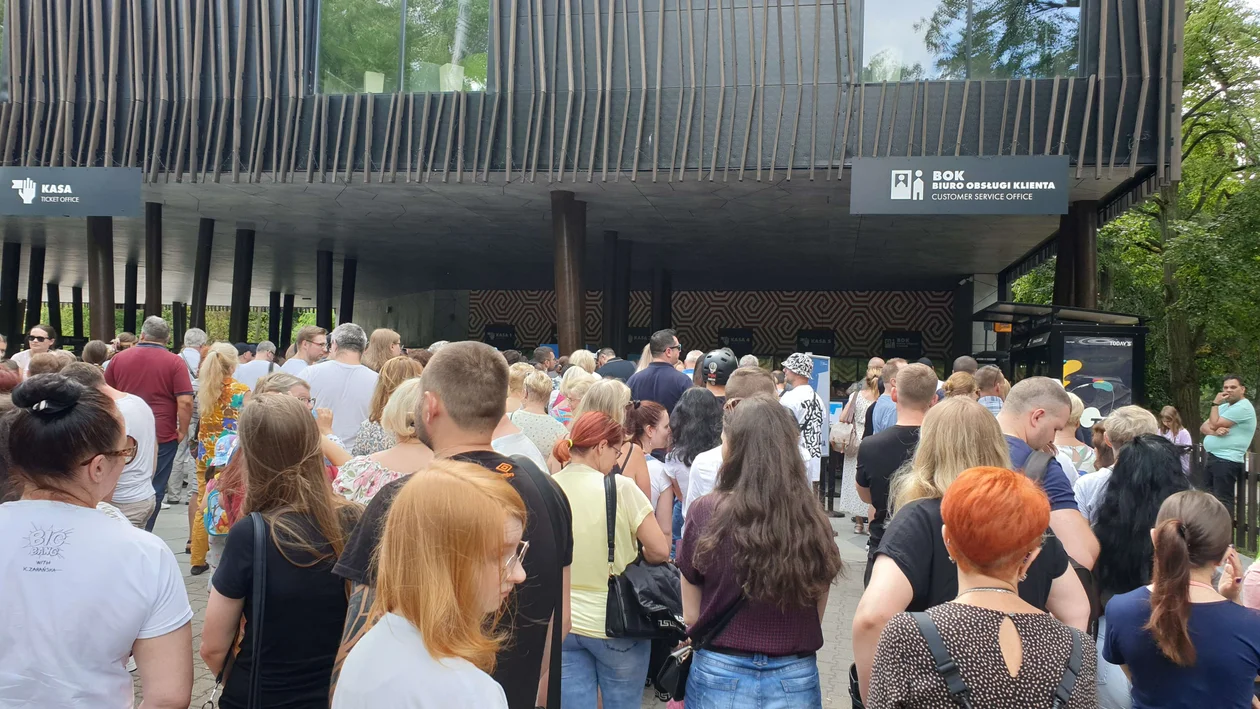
<point>1188,258</point>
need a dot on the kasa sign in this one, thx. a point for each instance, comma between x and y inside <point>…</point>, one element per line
<point>71,191</point>
<point>1013,184</point>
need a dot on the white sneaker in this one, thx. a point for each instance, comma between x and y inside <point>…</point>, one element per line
<point>165,506</point>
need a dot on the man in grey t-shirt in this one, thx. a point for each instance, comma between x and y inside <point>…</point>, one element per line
<point>342,383</point>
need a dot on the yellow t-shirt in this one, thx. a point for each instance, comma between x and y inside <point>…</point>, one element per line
<point>584,486</point>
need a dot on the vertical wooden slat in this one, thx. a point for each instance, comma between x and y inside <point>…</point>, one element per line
<point>459,151</point>
<point>643,93</point>
<point>238,85</point>
<point>800,90</point>
<point>980,141</point>
<point>450,134</point>
<point>1175,91</point>
<point>424,132</point>
<point>496,21</point>
<point>1006,102</point>
<point>730,126</point>
<point>135,52</point>
<point>682,92</point>
<point>391,125</point>
<point>704,95</point>
<point>1067,111</point>
<point>534,58</point>
<point>1032,114</point>
<point>264,68</point>
<point>511,95</point>
<point>1143,44</point>
<point>625,109</point>
<point>1102,87</point>
<point>813,123</point>
<point>225,86</point>
<point>691,104</point>
<point>481,110</point>
<point>1019,111</point>
<point>318,119</point>
<point>554,85</point>
<point>962,118</point>
<point>369,106</point>
<point>940,136</point>
<point>778,124</point>
<point>433,139</point>
<point>568,109</point>
<point>761,107</point>
<point>879,118</point>
<point>914,111</point>
<point>1089,104</point>
<point>98,47</point>
<point>39,35</point>
<point>608,70</point>
<point>341,126</point>
<point>354,134</point>
<point>600,96</point>
<point>1164,40</point>
<point>756,93</point>
<point>656,122</point>
<point>186,107</point>
<point>892,120</point>
<point>411,120</point>
<point>53,155</point>
<point>290,59</point>
<point>1054,105</point>
<point>581,58</point>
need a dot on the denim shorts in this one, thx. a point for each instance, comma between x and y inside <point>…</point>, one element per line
<point>720,681</point>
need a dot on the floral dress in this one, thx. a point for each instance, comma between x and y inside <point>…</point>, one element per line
<point>361,478</point>
<point>372,438</point>
<point>222,419</point>
<point>850,503</point>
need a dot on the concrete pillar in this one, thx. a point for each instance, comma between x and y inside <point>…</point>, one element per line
<point>242,277</point>
<point>273,319</point>
<point>76,309</point>
<point>152,259</point>
<point>1084,215</point>
<point>349,269</point>
<point>621,315</point>
<point>662,297</point>
<point>608,333</point>
<point>568,225</point>
<point>100,237</point>
<point>286,324</point>
<point>323,289</point>
<point>201,273</point>
<point>131,277</point>
<point>10,315</point>
<point>179,325</point>
<point>54,309</point>
<point>35,288</point>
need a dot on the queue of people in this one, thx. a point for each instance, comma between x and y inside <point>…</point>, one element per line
<point>386,529</point>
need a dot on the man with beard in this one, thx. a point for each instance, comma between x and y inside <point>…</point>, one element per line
<point>462,391</point>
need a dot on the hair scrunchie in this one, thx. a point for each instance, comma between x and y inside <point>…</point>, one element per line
<point>569,441</point>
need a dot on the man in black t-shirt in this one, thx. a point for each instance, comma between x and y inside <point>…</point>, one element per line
<point>880,455</point>
<point>461,401</point>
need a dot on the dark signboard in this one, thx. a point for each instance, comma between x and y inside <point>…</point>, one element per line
<point>637,338</point>
<point>739,339</point>
<point>500,336</point>
<point>1010,184</point>
<point>1099,370</point>
<point>70,191</point>
<point>819,342</point>
<point>907,344</point>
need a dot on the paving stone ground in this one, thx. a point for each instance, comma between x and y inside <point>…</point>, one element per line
<point>833,659</point>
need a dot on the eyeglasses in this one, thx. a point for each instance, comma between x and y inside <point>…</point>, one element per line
<point>36,338</point>
<point>518,557</point>
<point>308,400</point>
<point>128,454</point>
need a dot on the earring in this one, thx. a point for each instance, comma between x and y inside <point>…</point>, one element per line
<point>951,559</point>
<point>1023,577</point>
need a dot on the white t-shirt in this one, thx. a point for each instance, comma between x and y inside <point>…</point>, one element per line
<point>23,360</point>
<point>658,477</point>
<point>295,366</point>
<point>675,469</point>
<point>519,444</point>
<point>250,372</point>
<point>192,358</point>
<point>390,667</point>
<point>703,478</point>
<point>1090,490</point>
<point>347,390</point>
<point>1069,469</point>
<point>136,482</point>
<point>807,409</point>
<point>79,589</point>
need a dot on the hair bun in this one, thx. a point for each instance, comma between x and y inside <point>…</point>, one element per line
<point>47,395</point>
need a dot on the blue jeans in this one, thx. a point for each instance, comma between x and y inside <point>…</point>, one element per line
<point>616,667</point>
<point>165,459</point>
<point>720,681</point>
<point>677,522</point>
<point>1114,689</point>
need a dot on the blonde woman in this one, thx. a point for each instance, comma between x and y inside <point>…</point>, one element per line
<point>219,403</point>
<point>912,570</point>
<point>573,386</point>
<point>532,417</point>
<point>854,413</point>
<point>372,436</point>
<point>1080,455</point>
<point>645,358</point>
<point>611,397</point>
<point>383,345</point>
<point>961,384</point>
<point>1170,427</point>
<point>517,373</point>
<point>583,359</point>
<point>359,478</point>
<point>306,526</point>
<point>433,647</point>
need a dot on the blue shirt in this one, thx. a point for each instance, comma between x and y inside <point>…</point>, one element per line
<point>1226,638</point>
<point>1054,483</point>
<point>885,414</point>
<point>659,382</point>
<point>992,403</point>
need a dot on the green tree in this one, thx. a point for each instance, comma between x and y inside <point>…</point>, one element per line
<point>1000,39</point>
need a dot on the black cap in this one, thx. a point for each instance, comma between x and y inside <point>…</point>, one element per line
<point>718,366</point>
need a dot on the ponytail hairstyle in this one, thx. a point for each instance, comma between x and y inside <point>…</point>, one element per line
<point>640,415</point>
<point>217,367</point>
<point>588,431</point>
<point>1192,531</point>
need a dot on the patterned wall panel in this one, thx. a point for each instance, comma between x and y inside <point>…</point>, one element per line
<point>858,317</point>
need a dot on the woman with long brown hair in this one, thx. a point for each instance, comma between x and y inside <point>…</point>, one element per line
<point>372,436</point>
<point>383,345</point>
<point>761,548</point>
<point>1170,427</point>
<point>1184,642</point>
<point>450,555</point>
<point>307,527</point>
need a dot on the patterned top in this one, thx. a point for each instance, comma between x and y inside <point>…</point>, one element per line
<point>541,429</point>
<point>361,478</point>
<point>372,438</point>
<point>1082,457</point>
<point>904,674</point>
<point>221,419</point>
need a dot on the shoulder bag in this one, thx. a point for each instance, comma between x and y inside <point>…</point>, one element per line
<point>257,605</point>
<point>958,690</point>
<point>644,600</point>
<point>671,680</point>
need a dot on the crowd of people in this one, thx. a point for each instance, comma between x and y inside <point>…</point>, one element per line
<point>453,526</point>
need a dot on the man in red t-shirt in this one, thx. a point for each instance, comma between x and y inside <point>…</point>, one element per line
<point>160,377</point>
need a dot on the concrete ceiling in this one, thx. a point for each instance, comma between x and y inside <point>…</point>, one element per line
<point>410,237</point>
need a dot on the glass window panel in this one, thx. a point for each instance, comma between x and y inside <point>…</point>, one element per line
<point>969,39</point>
<point>448,42</point>
<point>358,46</point>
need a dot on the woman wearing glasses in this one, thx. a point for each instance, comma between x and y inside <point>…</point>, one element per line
<point>219,402</point>
<point>434,647</point>
<point>595,664</point>
<point>305,605</point>
<point>61,559</point>
<point>41,338</point>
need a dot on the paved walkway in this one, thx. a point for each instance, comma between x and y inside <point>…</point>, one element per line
<point>833,660</point>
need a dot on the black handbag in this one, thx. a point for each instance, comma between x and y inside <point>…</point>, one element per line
<point>644,600</point>
<point>257,604</point>
<point>671,679</point>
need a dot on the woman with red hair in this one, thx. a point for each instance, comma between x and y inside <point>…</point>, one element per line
<point>594,664</point>
<point>1005,652</point>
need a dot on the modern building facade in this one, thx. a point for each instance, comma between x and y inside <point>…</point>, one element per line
<point>592,166</point>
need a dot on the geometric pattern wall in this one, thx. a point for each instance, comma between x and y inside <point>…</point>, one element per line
<point>857,317</point>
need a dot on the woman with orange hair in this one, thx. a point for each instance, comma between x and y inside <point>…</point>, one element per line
<point>449,557</point>
<point>1005,651</point>
<point>595,664</point>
